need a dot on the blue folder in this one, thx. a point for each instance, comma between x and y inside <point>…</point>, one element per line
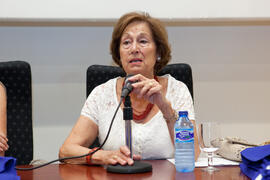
<point>7,168</point>
<point>256,162</point>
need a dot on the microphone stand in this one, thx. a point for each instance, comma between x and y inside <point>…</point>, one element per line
<point>138,166</point>
<point>128,117</point>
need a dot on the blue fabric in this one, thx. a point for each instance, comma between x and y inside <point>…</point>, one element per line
<point>256,162</point>
<point>7,168</point>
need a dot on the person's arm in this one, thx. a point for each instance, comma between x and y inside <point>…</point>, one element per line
<point>196,142</point>
<point>82,135</point>
<point>3,120</point>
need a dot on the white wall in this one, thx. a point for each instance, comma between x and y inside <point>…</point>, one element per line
<point>38,10</point>
<point>230,64</point>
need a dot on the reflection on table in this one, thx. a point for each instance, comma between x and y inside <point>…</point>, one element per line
<point>162,169</point>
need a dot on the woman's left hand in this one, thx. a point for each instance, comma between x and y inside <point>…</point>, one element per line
<point>3,143</point>
<point>149,89</point>
<point>121,156</point>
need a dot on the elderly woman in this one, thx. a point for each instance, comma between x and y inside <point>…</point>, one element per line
<point>139,46</point>
<point>3,120</point>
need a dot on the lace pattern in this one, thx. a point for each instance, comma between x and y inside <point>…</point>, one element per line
<point>152,139</point>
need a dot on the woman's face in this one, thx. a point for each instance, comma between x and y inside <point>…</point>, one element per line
<point>138,49</point>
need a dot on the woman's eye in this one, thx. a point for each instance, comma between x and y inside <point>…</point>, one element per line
<point>143,41</point>
<point>126,42</point>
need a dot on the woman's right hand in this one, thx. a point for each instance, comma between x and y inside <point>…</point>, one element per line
<point>3,143</point>
<point>121,156</point>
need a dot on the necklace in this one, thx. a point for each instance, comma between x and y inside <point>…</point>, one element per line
<point>147,110</point>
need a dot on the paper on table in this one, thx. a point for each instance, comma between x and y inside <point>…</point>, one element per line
<point>217,161</point>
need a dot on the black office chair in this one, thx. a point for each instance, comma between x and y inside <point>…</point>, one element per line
<point>98,74</point>
<point>16,76</point>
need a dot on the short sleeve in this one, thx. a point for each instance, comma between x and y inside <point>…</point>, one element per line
<point>90,108</point>
<point>180,97</point>
<point>101,102</point>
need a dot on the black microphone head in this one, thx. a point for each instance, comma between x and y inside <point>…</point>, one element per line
<point>127,88</point>
<point>127,77</point>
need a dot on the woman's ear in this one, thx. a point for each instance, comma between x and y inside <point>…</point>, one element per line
<point>158,57</point>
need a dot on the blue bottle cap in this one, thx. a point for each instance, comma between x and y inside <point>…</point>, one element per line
<point>182,113</point>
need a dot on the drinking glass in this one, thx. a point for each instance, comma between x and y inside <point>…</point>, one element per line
<point>207,132</point>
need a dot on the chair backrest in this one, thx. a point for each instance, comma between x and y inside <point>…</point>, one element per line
<point>98,74</point>
<point>16,76</point>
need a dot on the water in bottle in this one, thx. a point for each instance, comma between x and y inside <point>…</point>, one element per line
<point>184,143</point>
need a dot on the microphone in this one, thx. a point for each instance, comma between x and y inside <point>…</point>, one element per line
<point>138,166</point>
<point>127,88</point>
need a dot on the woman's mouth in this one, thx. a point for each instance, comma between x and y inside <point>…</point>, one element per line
<point>135,61</point>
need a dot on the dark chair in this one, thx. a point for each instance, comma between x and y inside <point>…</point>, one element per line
<point>98,74</point>
<point>16,76</point>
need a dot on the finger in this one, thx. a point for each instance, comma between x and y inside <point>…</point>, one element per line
<point>121,159</point>
<point>112,161</point>
<point>125,155</point>
<point>125,150</point>
<point>129,161</point>
<point>141,80</point>
<point>144,90</point>
<point>138,85</point>
<point>151,98</point>
<point>137,157</point>
<point>4,143</point>
<point>144,87</point>
<point>151,92</point>
<point>4,146</point>
<point>149,82</point>
<point>137,77</point>
<point>3,137</point>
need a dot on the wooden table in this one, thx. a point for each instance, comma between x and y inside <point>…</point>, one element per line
<point>162,169</point>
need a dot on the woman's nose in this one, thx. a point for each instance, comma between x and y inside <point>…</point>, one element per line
<point>134,48</point>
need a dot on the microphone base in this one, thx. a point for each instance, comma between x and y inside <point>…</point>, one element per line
<point>137,167</point>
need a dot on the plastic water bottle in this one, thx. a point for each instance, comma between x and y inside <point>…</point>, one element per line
<point>184,143</point>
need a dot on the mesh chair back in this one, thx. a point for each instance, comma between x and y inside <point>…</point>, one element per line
<point>16,76</point>
<point>98,74</point>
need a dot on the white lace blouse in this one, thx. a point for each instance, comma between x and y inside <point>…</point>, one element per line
<point>150,140</point>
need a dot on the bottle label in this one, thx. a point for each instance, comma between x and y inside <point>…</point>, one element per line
<point>184,135</point>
